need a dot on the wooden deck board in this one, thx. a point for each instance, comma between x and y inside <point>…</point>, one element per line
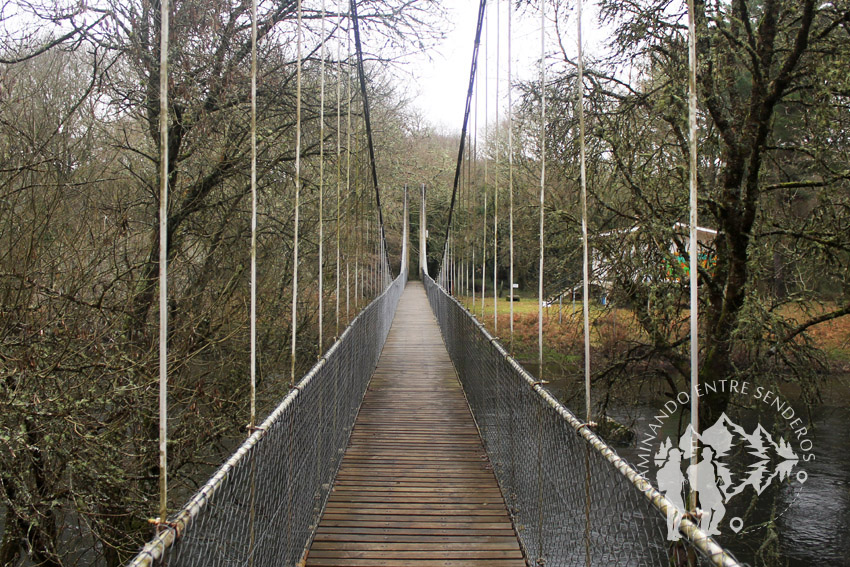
<point>415,487</point>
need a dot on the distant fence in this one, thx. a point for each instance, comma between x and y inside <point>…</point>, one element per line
<point>572,499</point>
<point>262,506</point>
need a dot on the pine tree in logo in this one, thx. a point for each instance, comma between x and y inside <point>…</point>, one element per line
<point>711,476</point>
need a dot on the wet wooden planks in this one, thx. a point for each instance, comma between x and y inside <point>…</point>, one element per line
<point>415,487</point>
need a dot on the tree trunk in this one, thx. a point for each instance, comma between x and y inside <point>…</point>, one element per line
<point>10,548</point>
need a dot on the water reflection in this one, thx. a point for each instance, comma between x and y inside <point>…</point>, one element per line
<point>812,524</point>
<point>815,529</point>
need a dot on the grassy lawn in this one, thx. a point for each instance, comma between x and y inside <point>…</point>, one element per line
<point>525,305</point>
<point>562,335</point>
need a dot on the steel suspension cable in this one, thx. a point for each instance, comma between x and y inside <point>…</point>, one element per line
<point>348,178</point>
<point>585,278</point>
<point>467,108</point>
<point>253,339</point>
<point>253,420</point>
<point>474,156</point>
<point>484,230</point>
<point>369,263</point>
<point>445,266</point>
<point>163,261</point>
<point>585,243</point>
<point>321,264</point>
<point>358,245</point>
<point>484,247</point>
<point>459,231</point>
<point>368,121</point>
<point>294,323</point>
<point>540,269</point>
<point>469,250</point>
<point>423,252</point>
<point>460,239</point>
<point>496,184</point>
<point>476,170</point>
<point>542,184</point>
<point>510,174</point>
<point>322,182</point>
<point>338,153</point>
<point>405,258</point>
<point>694,243</point>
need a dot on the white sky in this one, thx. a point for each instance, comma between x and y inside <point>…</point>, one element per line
<point>439,85</point>
<point>442,82</point>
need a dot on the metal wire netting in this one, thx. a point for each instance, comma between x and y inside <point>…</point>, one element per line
<point>572,499</point>
<point>261,507</point>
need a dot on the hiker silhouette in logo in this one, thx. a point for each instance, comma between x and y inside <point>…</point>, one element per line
<point>702,477</point>
<point>670,482</point>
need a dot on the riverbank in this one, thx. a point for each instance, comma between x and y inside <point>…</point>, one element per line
<point>786,524</point>
<point>563,334</point>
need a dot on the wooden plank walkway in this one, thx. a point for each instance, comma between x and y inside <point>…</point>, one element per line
<point>415,487</point>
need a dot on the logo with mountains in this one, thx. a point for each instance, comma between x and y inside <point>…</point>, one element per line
<point>730,461</point>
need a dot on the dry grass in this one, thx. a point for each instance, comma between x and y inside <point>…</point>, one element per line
<point>563,335</point>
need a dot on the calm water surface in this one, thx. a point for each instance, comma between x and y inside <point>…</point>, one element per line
<point>813,521</point>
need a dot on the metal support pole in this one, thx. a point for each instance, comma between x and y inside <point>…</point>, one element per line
<point>423,235</point>
<point>694,243</point>
<point>163,262</point>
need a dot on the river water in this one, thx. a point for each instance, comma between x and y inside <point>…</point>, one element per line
<point>812,519</point>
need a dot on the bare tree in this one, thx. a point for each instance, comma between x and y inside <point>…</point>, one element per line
<point>769,182</point>
<point>79,190</point>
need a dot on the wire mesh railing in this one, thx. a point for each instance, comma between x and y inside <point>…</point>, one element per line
<point>572,499</point>
<point>261,507</point>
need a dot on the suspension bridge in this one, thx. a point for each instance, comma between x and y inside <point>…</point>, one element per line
<point>416,439</point>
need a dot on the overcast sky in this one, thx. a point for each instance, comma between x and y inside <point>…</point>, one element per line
<point>439,85</point>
